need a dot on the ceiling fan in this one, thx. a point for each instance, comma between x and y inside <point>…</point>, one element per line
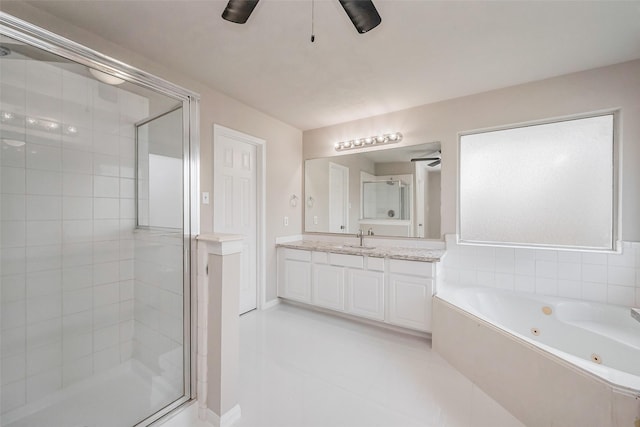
<point>362,13</point>
<point>435,161</point>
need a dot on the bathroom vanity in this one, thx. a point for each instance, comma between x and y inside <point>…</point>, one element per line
<point>394,286</point>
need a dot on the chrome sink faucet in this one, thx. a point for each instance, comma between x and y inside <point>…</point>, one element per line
<point>360,235</point>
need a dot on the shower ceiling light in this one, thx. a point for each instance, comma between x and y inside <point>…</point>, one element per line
<point>106,78</point>
<point>388,138</point>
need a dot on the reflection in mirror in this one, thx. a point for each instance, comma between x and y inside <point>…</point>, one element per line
<point>392,192</point>
<point>159,170</point>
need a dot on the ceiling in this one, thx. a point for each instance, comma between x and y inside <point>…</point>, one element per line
<point>423,52</point>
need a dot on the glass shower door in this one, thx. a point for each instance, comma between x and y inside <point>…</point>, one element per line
<point>94,325</point>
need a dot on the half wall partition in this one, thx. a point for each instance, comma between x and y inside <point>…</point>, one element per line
<point>95,325</point>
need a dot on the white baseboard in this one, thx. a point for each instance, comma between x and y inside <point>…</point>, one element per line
<point>227,419</point>
<point>270,304</point>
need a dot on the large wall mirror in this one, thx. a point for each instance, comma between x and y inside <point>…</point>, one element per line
<point>392,192</point>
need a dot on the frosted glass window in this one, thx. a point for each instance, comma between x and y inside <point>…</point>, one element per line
<point>542,185</point>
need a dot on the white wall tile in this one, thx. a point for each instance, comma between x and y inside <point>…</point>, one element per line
<point>12,261</point>
<point>75,208</point>
<point>486,278</point>
<point>77,254</point>
<point>570,256</point>
<point>106,251</point>
<point>127,188</point>
<point>570,288</point>
<point>621,276</point>
<point>44,182</point>
<point>40,258</point>
<point>105,273</point>
<point>41,233</point>
<point>106,337</point>
<point>13,341</point>
<point>77,231</point>
<point>41,385</point>
<point>14,368</point>
<point>524,267</point>
<point>594,273</point>
<point>44,308</point>
<point>546,255</point>
<point>525,284</point>
<point>44,359</point>
<point>107,315</point>
<point>569,271</point>
<point>127,209</point>
<point>13,288</point>
<point>505,281</point>
<point>637,297</point>
<point>621,295</point>
<point>79,277</point>
<point>13,395</point>
<point>40,208</point>
<point>13,234</point>
<point>106,208</point>
<point>78,323</point>
<point>126,270</point>
<point>106,165</point>
<point>75,184</point>
<point>47,332</point>
<point>106,294</point>
<point>127,167</point>
<point>12,156</point>
<point>13,314</point>
<point>106,229</point>
<point>546,286</point>
<point>44,157</point>
<point>41,283</point>
<point>77,301</point>
<point>13,180</point>
<point>77,370</point>
<point>625,259</point>
<point>594,258</point>
<point>105,359</point>
<point>594,292</point>
<point>546,269</point>
<point>13,207</point>
<point>106,186</point>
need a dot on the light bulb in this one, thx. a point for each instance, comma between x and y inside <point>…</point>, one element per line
<point>368,140</point>
<point>7,115</point>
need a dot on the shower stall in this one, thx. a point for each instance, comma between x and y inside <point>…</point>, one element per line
<point>98,198</point>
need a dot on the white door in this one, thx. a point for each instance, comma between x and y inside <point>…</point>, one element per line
<point>235,203</point>
<point>338,198</point>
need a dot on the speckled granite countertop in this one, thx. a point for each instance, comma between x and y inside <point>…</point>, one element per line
<point>410,254</point>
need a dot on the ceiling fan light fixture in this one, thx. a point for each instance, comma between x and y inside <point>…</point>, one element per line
<point>362,13</point>
<point>238,11</point>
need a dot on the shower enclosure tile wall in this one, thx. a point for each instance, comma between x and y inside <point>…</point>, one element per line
<point>68,220</point>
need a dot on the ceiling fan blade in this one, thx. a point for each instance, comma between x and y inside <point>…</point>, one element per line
<point>238,11</point>
<point>422,159</point>
<point>436,163</point>
<point>362,13</point>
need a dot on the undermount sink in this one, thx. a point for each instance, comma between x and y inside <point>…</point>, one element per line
<point>364,248</point>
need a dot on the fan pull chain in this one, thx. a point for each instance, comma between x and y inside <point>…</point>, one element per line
<point>313,36</point>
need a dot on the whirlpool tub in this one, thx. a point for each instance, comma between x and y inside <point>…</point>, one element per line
<point>550,361</point>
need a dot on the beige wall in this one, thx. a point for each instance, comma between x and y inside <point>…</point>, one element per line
<point>283,147</point>
<point>616,86</point>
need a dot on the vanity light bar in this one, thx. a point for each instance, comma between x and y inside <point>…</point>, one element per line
<point>48,125</point>
<point>388,138</point>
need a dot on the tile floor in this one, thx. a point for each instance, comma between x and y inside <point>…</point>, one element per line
<point>302,368</point>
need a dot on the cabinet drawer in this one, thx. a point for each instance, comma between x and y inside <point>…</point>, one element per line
<point>416,268</point>
<point>297,255</point>
<point>355,261</point>
<point>321,257</point>
<point>376,264</point>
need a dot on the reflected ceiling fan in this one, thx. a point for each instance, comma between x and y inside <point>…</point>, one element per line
<point>362,13</point>
<point>435,161</point>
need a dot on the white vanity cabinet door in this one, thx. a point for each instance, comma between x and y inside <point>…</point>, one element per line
<point>328,286</point>
<point>294,274</point>
<point>365,293</point>
<point>410,301</point>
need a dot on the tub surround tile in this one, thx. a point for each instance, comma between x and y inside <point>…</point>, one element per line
<point>590,276</point>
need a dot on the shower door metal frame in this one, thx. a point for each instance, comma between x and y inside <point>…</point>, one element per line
<point>33,35</point>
